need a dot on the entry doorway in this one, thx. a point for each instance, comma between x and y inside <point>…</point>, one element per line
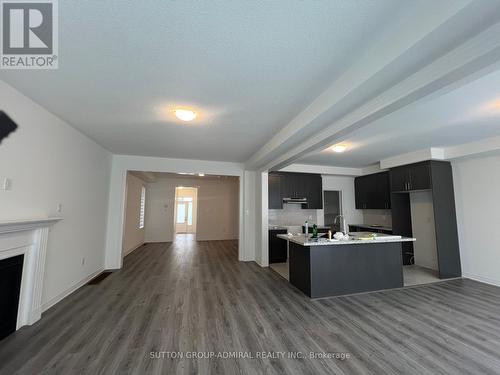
<point>186,208</point>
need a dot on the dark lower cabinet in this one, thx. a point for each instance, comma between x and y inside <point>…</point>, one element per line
<point>401,223</point>
<point>355,228</point>
<point>277,247</point>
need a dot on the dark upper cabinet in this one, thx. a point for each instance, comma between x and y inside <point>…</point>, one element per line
<point>420,176</point>
<point>359,192</point>
<point>372,191</point>
<point>314,189</point>
<point>400,178</point>
<point>411,177</point>
<point>295,185</point>
<point>292,186</point>
<point>274,186</point>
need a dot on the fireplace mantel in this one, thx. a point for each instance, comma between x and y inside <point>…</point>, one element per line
<point>16,225</point>
<point>28,237</point>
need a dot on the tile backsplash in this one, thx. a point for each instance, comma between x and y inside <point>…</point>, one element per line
<point>292,215</point>
<point>377,217</point>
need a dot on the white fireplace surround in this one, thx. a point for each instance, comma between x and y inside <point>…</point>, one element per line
<point>28,237</point>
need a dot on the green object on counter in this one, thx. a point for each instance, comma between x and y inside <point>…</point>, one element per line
<point>315,231</point>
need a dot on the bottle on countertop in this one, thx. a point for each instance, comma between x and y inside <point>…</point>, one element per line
<point>306,232</point>
<point>315,231</point>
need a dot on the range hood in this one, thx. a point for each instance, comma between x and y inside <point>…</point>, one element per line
<point>295,200</point>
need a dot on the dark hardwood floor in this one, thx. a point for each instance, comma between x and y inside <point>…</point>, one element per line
<point>196,297</point>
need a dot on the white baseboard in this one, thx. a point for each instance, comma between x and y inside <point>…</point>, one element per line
<point>481,279</point>
<point>47,305</point>
<point>134,248</point>
<point>261,264</point>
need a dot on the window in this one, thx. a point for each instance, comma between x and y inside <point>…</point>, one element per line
<point>181,213</point>
<point>142,211</point>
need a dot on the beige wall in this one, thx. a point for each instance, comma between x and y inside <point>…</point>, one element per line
<point>218,208</point>
<point>133,237</point>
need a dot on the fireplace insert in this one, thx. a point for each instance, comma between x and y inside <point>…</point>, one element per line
<point>11,270</point>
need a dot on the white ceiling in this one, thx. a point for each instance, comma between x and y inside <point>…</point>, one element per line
<point>248,67</point>
<point>467,114</point>
<point>274,82</point>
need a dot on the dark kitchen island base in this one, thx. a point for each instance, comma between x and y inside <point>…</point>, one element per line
<point>334,270</point>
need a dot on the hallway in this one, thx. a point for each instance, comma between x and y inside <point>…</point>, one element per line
<point>196,297</point>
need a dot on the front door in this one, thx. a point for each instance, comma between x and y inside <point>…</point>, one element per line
<point>185,210</point>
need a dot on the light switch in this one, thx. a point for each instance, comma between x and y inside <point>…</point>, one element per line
<point>59,207</point>
<point>7,184</point>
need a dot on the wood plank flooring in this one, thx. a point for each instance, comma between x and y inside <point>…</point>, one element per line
<point>196,297</point>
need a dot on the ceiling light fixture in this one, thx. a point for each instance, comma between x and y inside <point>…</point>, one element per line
<point>339,148</point>
<point>185,114</point>
<point>201,174</point>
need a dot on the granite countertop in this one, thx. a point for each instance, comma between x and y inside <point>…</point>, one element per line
<point>295,227</point>
<point>354,239</point>
<point>372,226</point>
<point>277,227</point>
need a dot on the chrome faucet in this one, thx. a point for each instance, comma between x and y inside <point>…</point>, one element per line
<point>342,224</point>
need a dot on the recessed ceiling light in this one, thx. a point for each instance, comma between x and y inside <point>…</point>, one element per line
<point>493,106</point>
<point>339,148</point>
<point>185,114</point>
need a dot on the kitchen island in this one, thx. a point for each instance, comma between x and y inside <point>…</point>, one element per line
<point>366,262</point>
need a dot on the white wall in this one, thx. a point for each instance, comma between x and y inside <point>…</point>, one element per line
<point>477,187</point>
<point>49,163</point>
<point>424,229</point>
<point>249,215</point>
<point>133,236</point>
<point>218,208</point>
<point>261,219</point>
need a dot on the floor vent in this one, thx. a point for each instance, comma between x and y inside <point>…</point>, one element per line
<point>97,280</point>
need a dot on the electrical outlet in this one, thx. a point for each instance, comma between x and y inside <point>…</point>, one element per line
<point>59,207</point>
<point>7,184</point>
<point>83,261</point>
